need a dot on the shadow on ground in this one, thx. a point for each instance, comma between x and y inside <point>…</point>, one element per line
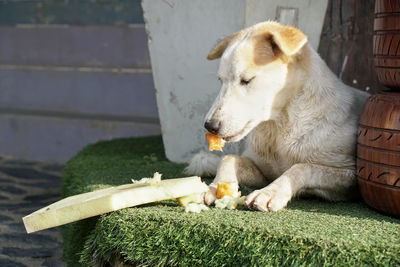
<point>26,186</point>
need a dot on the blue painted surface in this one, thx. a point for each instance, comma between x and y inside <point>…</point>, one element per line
<point>126,94</point>
<point>71,12</point>
<point>88,46</point>
<point>58,139</point>
<point>64,86</point>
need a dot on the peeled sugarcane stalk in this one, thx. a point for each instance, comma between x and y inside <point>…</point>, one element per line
<point>98,202</point>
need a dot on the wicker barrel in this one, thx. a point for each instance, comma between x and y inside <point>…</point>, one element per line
<point>387,42</point>
<point>378,152</point>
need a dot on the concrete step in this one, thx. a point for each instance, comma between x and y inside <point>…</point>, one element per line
<point>55,138</point>
<point>119,93</point>
<point>73,12</point>
<point>83,46</point>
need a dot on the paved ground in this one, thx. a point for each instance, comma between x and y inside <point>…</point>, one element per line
<point>26,186</point>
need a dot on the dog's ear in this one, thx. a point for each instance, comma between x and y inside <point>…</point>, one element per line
<point>289,39</point>
<point>218,50</point>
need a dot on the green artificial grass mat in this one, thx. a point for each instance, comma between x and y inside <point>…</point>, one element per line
<point>307,232</point>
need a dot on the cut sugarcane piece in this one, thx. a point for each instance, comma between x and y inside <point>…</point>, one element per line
<point>98,202</point>
<point>196,207</point>
<point>193,198</point>
<point>156,179</point>
<point>229,203</point>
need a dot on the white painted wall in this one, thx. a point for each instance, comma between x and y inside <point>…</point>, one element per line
<point>181,33</point>
<point>308,15</point>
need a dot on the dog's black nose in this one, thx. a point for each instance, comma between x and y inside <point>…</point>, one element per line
<point>212,126</point>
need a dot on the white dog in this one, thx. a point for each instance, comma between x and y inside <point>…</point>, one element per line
<point>299,118</point>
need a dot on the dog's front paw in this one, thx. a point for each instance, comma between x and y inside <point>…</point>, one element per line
<point>210,196</point>
<point>267,199</point>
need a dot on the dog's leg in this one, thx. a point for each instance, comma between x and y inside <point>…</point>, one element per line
<point>331,183</point>
<point>236,170</point>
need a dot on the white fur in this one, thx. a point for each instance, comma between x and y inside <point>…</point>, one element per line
<point>300,121</point>
<point>203,164</point>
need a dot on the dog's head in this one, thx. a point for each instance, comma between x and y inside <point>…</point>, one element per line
<point>255,72</point>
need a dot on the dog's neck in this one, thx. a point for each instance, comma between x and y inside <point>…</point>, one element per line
<point>315,94</point>
<point>318,89</point>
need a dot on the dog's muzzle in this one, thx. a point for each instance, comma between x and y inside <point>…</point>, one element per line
<point>212,126</point>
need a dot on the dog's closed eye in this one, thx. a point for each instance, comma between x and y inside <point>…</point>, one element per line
<point>245,81</point>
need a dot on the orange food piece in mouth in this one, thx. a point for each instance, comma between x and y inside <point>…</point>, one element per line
<point>215,142</point>
<point>225,189</point>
